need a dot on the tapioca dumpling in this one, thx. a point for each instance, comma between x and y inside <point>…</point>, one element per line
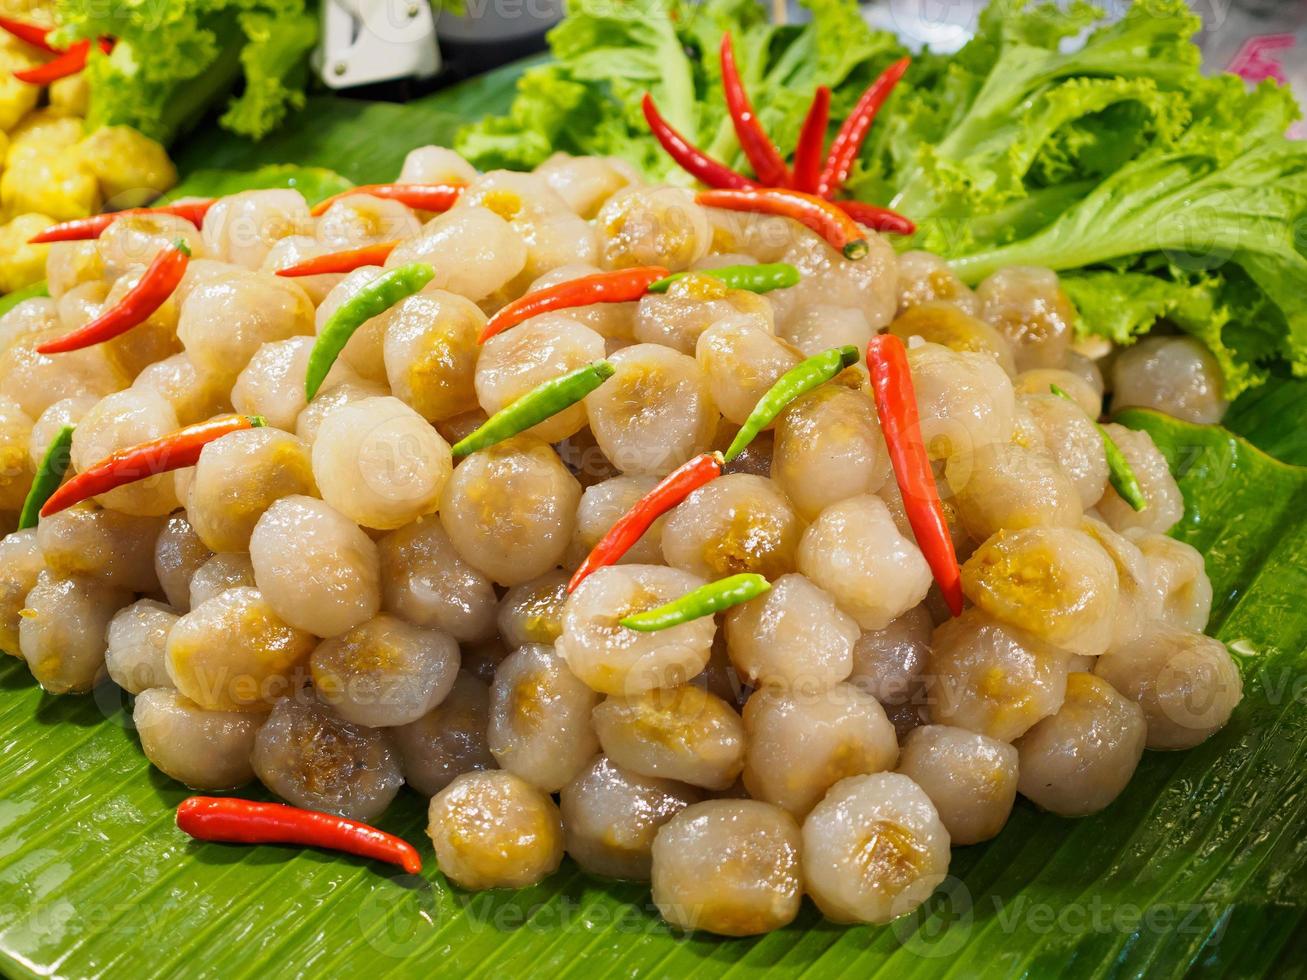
<point>947,324</point>
<point>926,278</point>
<point>312,758</point>
<point>653,226</point>
<point>970,778</point>
<point>616,660</point>
<point>510,510</point>
<point>1054,582</point>
<point>586,182</point>
<point>435,165</point>
<point>540,726</point>
<point>21,563</point>
<point>363,353</point>
<point>1072,440</point>
<point>1187,683</point>
<point>869,284</point>
<point>1079,760</point>
<point>202,749</point>
<point>448,740</point>
<point>855,552</point>
<point>654,413</point>
<point>1003,485</point>
<point>223,571</point>
<point>742,362</point>
<point>495,830</point>
<point>729,867</point>
<point>384,671</point>
<point>473,251</point>
<point>137,640</point>
<point>514,362</point>
<point>1179,579</point>
<point>679,317</point>
<point>238,477</point>
<point>193,393</point>
<point>828,448</point>
<point>991,677</point>
<point>62,633</point>
<point>602,504</point>
<point>888,663</point>
<point>233,653</point>
<point>225,319</point>
<point>611,816</point>
<point>533,611</point>
<point>964,399</point>
<point>873,849</point>
<point>1029,308</point>
<point>119,421</point>
<point>243,227</point>
<point>360,219</point>
<point>116,548</point>
<point>430,352</point>
<point>792,637</point>
<point>315,567</point>
<point>800,745</point>
<point>682,733</point>
<point>425,581</point>
<point>736,523</point>
<point>36,381</point>
<point>272,384</point>
<point>380,463</point>
<point>1164,504</point>
<point>1175,375</point>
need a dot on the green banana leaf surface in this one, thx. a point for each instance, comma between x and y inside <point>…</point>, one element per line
<point>1198,868</point>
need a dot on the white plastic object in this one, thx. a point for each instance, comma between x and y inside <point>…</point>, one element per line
<point>366,41</point>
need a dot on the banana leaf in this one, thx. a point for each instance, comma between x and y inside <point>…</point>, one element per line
<point>1197,869</point>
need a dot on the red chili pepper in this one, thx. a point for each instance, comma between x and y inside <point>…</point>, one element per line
<point>674,488</point>
<point>812,140</point>
<point>621,286</point>
<point>85,229</point>
<point>896,403</point>
<point>687,156</point>
<point>174,451</point>
<point>766,160</point>
<point>70,62</point>
<point>877,218</point>
<point>34,34</point>
<point>236,821</point>
<point>420,197</point>
<point>828,221</point>
<point>848,141</point>
<point>346,261</point>
<point>156,284</point>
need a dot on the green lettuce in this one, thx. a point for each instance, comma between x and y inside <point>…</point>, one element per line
<point>175,58</point>
<point>1183,200</point>
<point>1163,196</point>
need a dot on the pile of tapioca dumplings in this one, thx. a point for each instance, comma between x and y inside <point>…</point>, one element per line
<point>329,606</point>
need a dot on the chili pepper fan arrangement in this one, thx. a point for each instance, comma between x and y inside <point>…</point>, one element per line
<point>807,193</point>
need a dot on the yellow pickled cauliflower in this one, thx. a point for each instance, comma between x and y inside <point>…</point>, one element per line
<point>17,98</point>
<point>54,183</point>
<point>132,168</point>
<point>22,264</point>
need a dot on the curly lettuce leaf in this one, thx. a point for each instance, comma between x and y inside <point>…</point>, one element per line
<point>174,58</point>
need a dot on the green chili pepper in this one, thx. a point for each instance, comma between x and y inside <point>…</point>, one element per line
<point>703,601</point>
<point>54,464</point>
<point>372,300</point>
<point>1120,474</point>
<point>762,278</point>
<point>801,378</point>
<point>538,404</point>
